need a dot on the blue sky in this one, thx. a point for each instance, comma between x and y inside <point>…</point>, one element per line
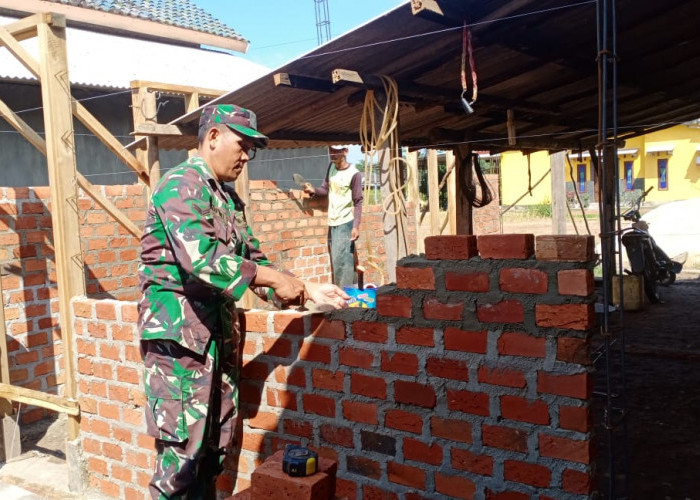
<point>280,30</point>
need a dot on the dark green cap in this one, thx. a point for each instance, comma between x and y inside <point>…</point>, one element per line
<point>239,119</point>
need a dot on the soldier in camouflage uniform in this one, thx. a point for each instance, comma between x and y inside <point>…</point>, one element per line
<point>198,256</point>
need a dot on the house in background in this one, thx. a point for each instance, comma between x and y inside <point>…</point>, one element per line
<point>667,160</point>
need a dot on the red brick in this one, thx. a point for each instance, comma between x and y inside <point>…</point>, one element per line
<point>433,308</point>
<point>276,347</point>
<point>453,247</point>
<point>574,481</point>
<point>400,362</point>
<point>506,311</point>
<point>255,370</point>
<point>322,328</point>
<point>504,438</point>
<point>506,246</point>
<point>521,344</point>
<point>507,377</point>
<point>298,428</point>
<point>575,418</point>
<point>320,405</point>
<point>419,451</point>
<point>575,282</point>
<point>448,368</point>
<point>360,358</point>
<point>313,352</point>
<point>467,282</point>
<point>340,436</point>
<point>524,410</point>
<point>476,403</point>
<point>365,331</point>
<point>360,412</point>
<point>372,387</point>
<point>455,486</point>
<point>573,350</point>
<point>364,467</point>
<point>575,386</point>
<point>290,322</point>
<point>414,394</point>
<point>297,376</point>
<point>569,248</point>
<point>465,341</point>
<point>565,448</point>
<point>471,462</point>
<point>526,473</point>
<point>568,316</point>
<point>413,477</point>
<point>375,493</point>
<point>394,305</point>
<point>519,280</point>
<point>404,421</point>
<point>345,489</point>
<point>415,278</point>
<point>452,429</point>
<point>328,380</point>
<point>412,335</point>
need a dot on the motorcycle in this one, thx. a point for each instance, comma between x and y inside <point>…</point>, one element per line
<point>646,258</point>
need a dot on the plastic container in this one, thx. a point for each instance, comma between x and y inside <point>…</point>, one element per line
<point>366,298</point>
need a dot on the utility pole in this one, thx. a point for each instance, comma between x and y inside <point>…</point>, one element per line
<point>323,23</point>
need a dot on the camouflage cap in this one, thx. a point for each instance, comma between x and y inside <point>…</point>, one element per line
<point>239,119</point>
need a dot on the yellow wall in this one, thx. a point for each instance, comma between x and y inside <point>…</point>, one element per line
<point>683,171</point>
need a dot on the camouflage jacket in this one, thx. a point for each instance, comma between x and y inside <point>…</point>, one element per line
<point>198,256</point>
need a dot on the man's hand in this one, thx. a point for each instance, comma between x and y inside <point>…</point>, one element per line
<point>288,287</point>
<point>354,233</point>
<point>309,189</point>
<point>327,294</point>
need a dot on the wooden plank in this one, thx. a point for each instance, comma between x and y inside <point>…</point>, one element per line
<point>110,207</point>
<point>168,88</point>
<point>347,77</point>
<point>144,110</point>
<point>27,27</point>
<point>559,212</point>
<point>389,221</point>
<point>21,126</point>
<point>5,406</point>
<point>38,398</point>
<point>164,129</point>
<point>60,147</point>
<point>414,197</point>
<point>304,82</point>
<point>104,135</point>
<point>451,192</point>
<point>464,215</point>
<point>20,53</point>
<point>433,192</point>
<point>191,105</point>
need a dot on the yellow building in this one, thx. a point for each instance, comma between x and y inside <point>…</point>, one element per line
<point>668,161</point>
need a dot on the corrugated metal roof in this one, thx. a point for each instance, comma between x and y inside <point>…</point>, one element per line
<point>181,13</point>
<point>102,60</point>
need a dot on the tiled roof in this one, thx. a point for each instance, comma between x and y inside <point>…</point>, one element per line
<point>181,13</point>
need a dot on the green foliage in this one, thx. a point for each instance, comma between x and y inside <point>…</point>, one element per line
<point>542,210</point>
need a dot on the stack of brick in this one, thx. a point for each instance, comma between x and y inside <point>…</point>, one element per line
<point>471,379</point>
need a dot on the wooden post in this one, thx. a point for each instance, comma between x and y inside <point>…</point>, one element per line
<point>144,110</point>
<point>451,193</point>
<point>414,197</point>
<point>559,212</point>
<point>433,192</point>
<point>465,223</point>
<point>191,104</point>
<point>390,241</point>
<point>60,147</point>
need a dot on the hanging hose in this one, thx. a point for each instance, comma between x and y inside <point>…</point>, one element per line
<point>469,188</point>
<point>372,138</point>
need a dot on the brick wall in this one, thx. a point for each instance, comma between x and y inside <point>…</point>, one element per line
<point>471,379</point>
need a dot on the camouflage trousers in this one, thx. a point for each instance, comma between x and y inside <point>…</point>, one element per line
<point>192,402</point>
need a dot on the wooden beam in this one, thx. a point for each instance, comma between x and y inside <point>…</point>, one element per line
<point>21,126</point>
<point>20,53</point>
<point>134,25</point>
<point>304,82</point>
<point>433,192</point>
<point>414,197</point>
<point>104,135</point>
<point>38,398</point>
<point>144,110</point>
<point>558,178</point>
<point>26,28</point>
<point>451,172</point>
<point>464,216</point>
<point>110,207</point>
<point>172,89</point>
<point>60,147</point>
<point>5,407</point>
<point>165,129</point>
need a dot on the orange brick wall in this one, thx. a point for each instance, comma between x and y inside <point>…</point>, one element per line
<point>470,379</point>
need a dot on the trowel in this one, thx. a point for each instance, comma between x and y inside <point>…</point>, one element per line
<point>299,180</point>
